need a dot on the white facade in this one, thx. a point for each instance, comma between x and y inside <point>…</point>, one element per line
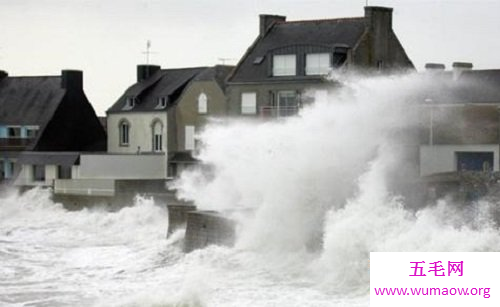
<point>140,134</point>
<point>96,175</point>
<point>26,176</point>
<point>442,158</point>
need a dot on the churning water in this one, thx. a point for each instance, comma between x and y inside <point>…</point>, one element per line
<point>321,189</point>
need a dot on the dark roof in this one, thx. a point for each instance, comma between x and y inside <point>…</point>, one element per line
<point>472,86</point>
<point>49,158</point>
<point>167,83</point>
<point>327,33</point>
<point>29,100</point>
<point>218,73</point>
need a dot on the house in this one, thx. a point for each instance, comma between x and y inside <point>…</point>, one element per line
<point>287,63</point>
<point>460,120</point>
<point>151,131</point>
<point>459,136</point>
<point>42,120</point>
<point>161,113</point>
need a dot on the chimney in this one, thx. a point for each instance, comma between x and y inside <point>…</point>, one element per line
<point>266,21</point>
<point>459,67</point>
<point>378,21</point>
<point>72,79</point>
<point>146,71</point>
<point>378,18</point>
<point>434,67</point>
<point>3,74</point>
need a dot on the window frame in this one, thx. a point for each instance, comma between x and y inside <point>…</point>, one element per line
<point>14,128</point>
<point>202,103</point>
<point>39,174</point>
<point>285,60</point>
<point>162,103</point>
<point>245,110</point>
<point>189,134</point>
<point>157,137</point>
<point>315,70</point>
<point>124,134</point>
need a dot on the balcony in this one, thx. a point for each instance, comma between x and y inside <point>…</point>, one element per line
<point>278,111</point>
<point>14,144</point>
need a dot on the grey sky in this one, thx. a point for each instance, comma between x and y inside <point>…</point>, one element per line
<point>106,38</point>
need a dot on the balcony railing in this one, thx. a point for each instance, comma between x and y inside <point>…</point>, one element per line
<point>14,143</point>
<point>275,111</point>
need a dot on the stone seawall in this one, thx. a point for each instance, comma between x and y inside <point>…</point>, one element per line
<point>206,228</point>
<point>177,216</point>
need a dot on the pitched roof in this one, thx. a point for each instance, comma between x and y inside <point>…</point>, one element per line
<point>167,83</point>
<point>326,33</point>
<point>49,158</point>
<point>29,100</point>
<point>218,73</point>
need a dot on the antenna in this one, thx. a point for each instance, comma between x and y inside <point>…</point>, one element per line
<point>366,2</point>
<point>148,51</point>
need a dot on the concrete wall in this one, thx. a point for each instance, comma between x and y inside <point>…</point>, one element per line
<point>460,124</point>
<point>109,166</point>
<point>442,158</point>
<point>207,228</point>
<point>140,131</point>
<point>87,187</point>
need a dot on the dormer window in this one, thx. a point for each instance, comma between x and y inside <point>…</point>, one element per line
<point>318,64</point>
<point>284,65</point>
<point>162,103</point>
<point>339,56</point>
<point>130,103</point>
<point>202,104</point>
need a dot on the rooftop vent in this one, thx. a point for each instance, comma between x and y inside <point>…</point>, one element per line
<point>434,67</point>
<point>459,67</point>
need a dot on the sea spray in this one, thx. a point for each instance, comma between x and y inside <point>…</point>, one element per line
<point>335,171</point>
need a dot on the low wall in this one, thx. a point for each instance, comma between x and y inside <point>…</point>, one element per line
<point>123,166</point>
<point>206,228</point>
<point>177,216</point>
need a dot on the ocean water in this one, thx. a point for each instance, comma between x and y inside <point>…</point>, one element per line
<point>322,191</point>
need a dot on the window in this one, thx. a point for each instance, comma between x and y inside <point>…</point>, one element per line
<point>39,172</point>
<point>287,99</point>
<point>31,132</point>
<point>189,138</point>
<point>249,103</point>
<point>64,172</point>
<point>8,171</point>
<point>258,60</point>
<point>2,170</point>
<point>284,65</point>
<point>162,103</point>
<point>339,56</point>
<point>317,64</point>
<point>287,103</point>
<point>14,132</point>
<point>202,104</point>
<point>474,161</point>
<point>124,133</point>
<point>130,103</point>
<point>157,136</point>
